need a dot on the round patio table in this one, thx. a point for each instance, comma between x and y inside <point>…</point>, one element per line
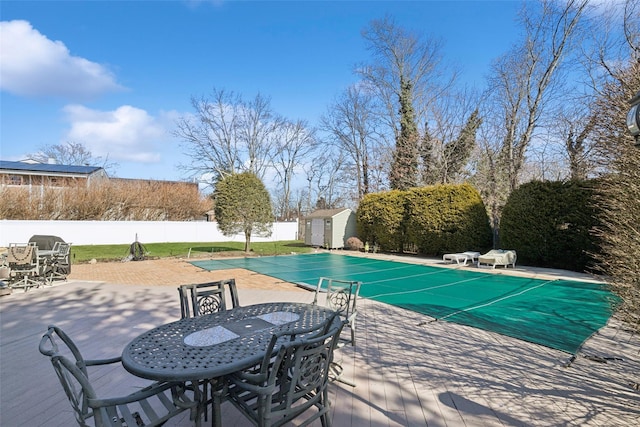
<point>214,345</point>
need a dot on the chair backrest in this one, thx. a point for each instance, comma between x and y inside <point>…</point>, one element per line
<point>22,256</point>
<point>61,249</point>
<point>59,264</point>
<point>341,296</point>
<point>297,377</point>
<point>72,373</point>
<point>206,298</point>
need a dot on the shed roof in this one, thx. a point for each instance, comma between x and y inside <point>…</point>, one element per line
<point>327,213</point>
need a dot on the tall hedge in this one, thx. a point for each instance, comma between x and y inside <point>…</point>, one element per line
<point>436,219</point>
<point>380,219</point>
<point>447,218</point>
<point>549,224</point>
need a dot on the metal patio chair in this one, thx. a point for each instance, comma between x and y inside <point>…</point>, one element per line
<point>340,296</point>
<point>206,298</point>
<point>58,263</point>
<point>149,406</point>
<point>201,299</point>
<point>24,266</point>
<point>292,378</point>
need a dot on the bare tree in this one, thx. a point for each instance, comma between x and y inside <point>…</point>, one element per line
<point>576,124</point>
<point>258,124</point>
<point>564,146</point>
<point>227,135</point>
<point>293,142</point>
<point>547,162</point>
<point>610,57</point>
<point>523,81</point>
<point>524,85</point>
<point>327,186</point>
<point>211,134</point>
<point>489,177</point>
<point>72,153</point>
<point>352,126</point>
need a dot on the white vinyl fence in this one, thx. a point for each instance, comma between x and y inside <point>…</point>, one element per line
<point>125,232</point>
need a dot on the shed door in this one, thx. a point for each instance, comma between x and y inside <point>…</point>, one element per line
<point>328,233</point>
<point>317,232</point>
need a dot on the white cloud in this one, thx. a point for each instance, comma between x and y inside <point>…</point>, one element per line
<point>33,65</point>
<point>124,134</point>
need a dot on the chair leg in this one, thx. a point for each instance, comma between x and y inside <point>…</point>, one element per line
<point>325,418</point>
<point>336,371</point>
<point>54,273</point>
<point>25,282</point>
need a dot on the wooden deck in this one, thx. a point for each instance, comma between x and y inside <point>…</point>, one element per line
<point>409,372</point>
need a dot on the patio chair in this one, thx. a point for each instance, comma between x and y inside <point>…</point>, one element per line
<point>496,257</point>
<point>24,266</point>
<point>340,296</point>
<point>149,406</point>
<point>285,386</point>
<point>206,298</point>
<point>58,263</point>
<point>201,299</point>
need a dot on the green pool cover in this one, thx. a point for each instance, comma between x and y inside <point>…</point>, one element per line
<point>559,314</point>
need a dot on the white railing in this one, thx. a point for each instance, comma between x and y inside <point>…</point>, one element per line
<point>119,232</point>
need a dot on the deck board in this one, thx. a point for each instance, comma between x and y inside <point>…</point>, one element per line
<point>409,371</point>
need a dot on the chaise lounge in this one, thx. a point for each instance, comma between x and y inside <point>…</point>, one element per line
<point>463,257</point>
<point>498,257</point>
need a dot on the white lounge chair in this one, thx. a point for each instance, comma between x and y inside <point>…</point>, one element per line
<point>498,257</point>
<point>462,257</point>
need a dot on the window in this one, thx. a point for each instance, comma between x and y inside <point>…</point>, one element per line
<point>15,180</point>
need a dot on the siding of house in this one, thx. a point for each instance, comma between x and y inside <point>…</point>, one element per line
<point>40,175</point>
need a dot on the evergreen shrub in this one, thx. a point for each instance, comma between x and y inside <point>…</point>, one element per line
<point>447,218</point>
<point>550,224</point>
<point>436,219</point>
<point>380,219</point>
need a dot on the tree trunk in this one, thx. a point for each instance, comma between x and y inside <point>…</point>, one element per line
<point>247,241</point>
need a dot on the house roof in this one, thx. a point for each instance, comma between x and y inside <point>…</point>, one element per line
<point>326,213</point>
<point>6,166</point>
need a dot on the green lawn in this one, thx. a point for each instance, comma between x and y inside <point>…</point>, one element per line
<point>81,253</point>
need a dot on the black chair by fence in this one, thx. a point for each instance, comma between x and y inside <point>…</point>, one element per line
<point>149,406</point>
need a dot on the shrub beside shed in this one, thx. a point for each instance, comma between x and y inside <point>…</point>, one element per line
<point>329,228</point>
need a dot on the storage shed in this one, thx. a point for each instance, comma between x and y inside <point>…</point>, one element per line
<point>329,228</point>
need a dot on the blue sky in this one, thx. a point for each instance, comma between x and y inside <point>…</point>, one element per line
<point>115,75</point>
